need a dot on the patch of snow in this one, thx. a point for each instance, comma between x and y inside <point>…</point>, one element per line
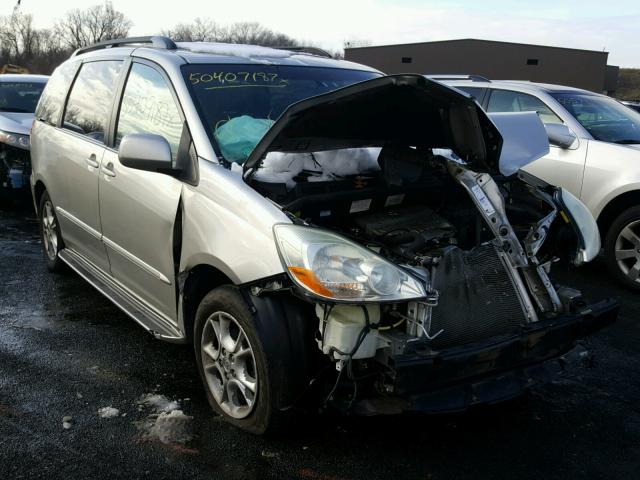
<point>269,454</point>
<point>159,403</point>
<point>167,427</point>
<point>278,167</point>
<point>233,50</point>
<point>446,153</point>
<point>236,168</point>
<point>66,422</point>
<point>108,412</point>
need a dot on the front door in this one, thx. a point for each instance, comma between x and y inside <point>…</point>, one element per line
<point>139,208</point>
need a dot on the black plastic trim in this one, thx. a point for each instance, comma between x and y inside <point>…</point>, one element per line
<point>538,342</point>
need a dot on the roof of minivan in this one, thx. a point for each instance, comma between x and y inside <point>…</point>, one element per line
<point>22,77</point>
<point>208,52</point>
<point>225,53</point>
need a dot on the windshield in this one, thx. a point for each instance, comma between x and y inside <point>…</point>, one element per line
<point>20,97</point>
<point>257,93</point>
<point>604,118</point>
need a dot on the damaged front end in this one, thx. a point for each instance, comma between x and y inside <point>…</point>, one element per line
<point>428,258</point>
<point>15,165</point>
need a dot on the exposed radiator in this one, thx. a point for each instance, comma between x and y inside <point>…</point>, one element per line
<point>477,298</point>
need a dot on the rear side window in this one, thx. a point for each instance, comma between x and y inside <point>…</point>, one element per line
<point>91,97</point>
<point>52,100</point>
<point>509,101</point>
<point>148,107</point>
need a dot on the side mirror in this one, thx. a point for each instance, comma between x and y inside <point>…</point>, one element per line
<point>560,135</point>
<point>145,151</point>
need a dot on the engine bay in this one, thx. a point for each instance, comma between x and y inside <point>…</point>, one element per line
<point>481,245</point>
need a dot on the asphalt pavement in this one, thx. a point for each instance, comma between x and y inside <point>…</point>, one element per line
<point>66,352</point>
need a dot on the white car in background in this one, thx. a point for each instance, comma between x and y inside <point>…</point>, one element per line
<point>595,154</point>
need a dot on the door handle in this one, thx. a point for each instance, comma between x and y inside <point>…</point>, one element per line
<point>108,170</point>
<point>92,162</point>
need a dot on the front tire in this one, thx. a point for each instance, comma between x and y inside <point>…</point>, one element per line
<point>232,362</point>
<point>622,248</point>
<point>50,235</point>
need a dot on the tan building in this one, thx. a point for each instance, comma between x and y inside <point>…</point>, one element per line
<point>586,69</point>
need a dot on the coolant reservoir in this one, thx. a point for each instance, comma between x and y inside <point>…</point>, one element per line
<point>343,326</point>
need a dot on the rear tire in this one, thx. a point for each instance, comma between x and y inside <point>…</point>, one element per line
<point>234,368</point>
<point>622,248</point>
<point>50,235</point>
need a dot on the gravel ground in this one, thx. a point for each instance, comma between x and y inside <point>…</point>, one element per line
<point>66,354</point>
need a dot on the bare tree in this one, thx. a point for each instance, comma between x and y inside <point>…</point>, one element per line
<point>255,34</point>
<point>201,30</point>
<point>206,30</point>
<point>41,50</point>
<point>79,28</point>
<point>18,37</point>
<point>355,42</point>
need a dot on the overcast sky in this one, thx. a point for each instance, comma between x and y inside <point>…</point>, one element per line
<point>613,26</point>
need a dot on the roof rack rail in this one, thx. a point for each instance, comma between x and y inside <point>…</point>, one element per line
<point>473,78</point>
<point>155,41</point>
<point>311,50</point>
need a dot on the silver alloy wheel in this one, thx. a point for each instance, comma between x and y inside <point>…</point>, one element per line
<point>49,231</point>
<point>229,365</point>
<point>627,248</point>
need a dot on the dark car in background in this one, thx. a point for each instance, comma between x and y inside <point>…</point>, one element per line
<point>19,95</point>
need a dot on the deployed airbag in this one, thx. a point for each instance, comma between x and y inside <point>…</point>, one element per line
<point>239,136</point>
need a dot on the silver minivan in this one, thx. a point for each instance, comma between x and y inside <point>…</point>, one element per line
<point>323,235</point>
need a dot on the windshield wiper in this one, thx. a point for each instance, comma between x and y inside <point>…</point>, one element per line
<point>629,141</point>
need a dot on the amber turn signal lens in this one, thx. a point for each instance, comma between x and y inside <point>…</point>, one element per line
<point>310,280</point>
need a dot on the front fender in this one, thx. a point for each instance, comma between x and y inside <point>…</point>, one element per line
<point>228,225</point>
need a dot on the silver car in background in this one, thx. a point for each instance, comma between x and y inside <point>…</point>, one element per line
<point>595,154</point>
<point>19,95</point>
<point>323,235</point>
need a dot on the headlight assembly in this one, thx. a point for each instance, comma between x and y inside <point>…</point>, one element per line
<point>334,268</point>
<point>15,139</point>
<point>584,224</point>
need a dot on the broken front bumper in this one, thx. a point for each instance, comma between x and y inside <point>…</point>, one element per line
<point>15,168</point>
<point>456,378</point>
